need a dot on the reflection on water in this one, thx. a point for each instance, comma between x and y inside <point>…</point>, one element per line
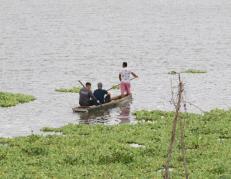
<point>96,117</point>
<point>125,113</point>
<point>120,114</point>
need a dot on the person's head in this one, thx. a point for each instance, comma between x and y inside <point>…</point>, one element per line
<point>125,64</point>
<point>100,85</point>
<point>88,85</point>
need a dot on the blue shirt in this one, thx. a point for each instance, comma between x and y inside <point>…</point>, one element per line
<point>100,95</point>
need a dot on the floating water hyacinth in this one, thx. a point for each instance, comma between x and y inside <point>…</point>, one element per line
<point>116,87</point>
<point>127,149</point>
<point>75,89</point>
<point>172,73</point>
<point>12,99</point>
<point>193,71</point>
<point>189,71</point>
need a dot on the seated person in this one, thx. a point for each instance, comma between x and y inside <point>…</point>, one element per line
<point>102,95</point>
<point>86,97</point>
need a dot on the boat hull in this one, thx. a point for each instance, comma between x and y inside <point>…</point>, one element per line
<point>114,102</point>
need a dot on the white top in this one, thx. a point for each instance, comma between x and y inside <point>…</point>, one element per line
<point>125,75</point>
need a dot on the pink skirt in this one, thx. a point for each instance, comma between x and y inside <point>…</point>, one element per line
<point>125,88</point>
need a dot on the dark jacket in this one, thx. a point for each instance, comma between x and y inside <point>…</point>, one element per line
<point>85,97</point>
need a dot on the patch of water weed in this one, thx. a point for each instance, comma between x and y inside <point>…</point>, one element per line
<point>10,99</point>
<point>194,71</point>
<point>116,87</point>
<point>3,155</point>
<point>34,150</point>
<point>105,152</point>
<point>172,73</point>
<point>226,176</point>
<point>52,133</point>
<point>119,155</point>
<point>4,145</point>
<point>49,129</point>
<point>189,71</point>
<point>75,89</point>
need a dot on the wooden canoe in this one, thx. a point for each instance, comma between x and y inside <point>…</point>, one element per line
<point>114,102</point>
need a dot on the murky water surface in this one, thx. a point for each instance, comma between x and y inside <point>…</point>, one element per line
<point>48,44</point>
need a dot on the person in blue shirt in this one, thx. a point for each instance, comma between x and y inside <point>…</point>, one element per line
<point>102,95</point>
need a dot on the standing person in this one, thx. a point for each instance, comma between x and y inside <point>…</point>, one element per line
<point>102,95</point>
<point>86,97</point>
<point>124,77</point>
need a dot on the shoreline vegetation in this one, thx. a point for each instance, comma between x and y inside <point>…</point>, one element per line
<point>189,71</point>
<point>75,89</point>
<point>8,99</point>
<point>122,151</point>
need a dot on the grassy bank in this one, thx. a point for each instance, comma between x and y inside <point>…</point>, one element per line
<point>11,99</point>
<point>97,151</point>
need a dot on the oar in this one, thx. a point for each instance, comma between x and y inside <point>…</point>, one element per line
<point>81,83</point>
<point>118,85</point>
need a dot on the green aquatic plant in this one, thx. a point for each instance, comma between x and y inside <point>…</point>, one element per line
<point>75,89</point>
<point>48,129</point>
<point>116,87</point>
<point>193,71</point>
<point>172,73</point>
<point>99,151</point>
<point>189,71</point>
<point>10,99</point>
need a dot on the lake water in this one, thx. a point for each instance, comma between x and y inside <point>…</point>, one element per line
<point>48,44</point>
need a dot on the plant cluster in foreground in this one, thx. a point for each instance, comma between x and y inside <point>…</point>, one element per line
<point>75,89</point>
<point>98,151</point>
<point>11,99</point>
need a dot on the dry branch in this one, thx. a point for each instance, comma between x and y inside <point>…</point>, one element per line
<point>174,125</point>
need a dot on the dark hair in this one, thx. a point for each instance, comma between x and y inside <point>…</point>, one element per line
<point>125,64</point>
<point>88,84</point>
